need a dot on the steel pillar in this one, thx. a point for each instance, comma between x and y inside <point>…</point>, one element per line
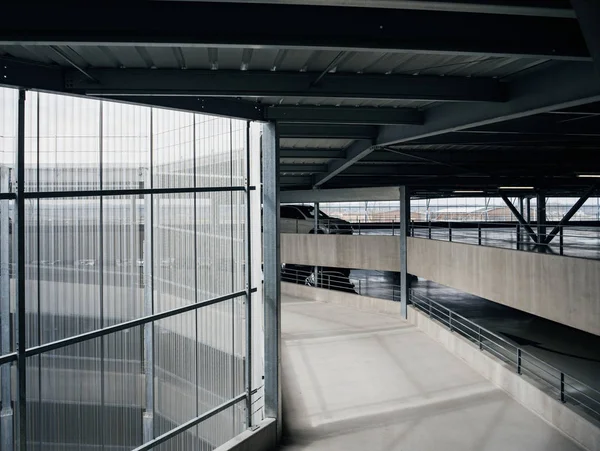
<point>248,270</point>
<point>519,225</point>
<point>20,345</point>
<point>404,219</point>
<point>541,216</point>
<point>522,221</point>
<point>272,274</point>
<point>316,228</point>
<point>6,414</point>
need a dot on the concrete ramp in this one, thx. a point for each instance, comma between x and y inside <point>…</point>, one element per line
<point>354,380</point>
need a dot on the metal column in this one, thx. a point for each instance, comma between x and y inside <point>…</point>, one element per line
<point>248,268</point>
<point>316,228</point>
<point>518,224</point>
<point>6,414</point>
<point>272,274</point>
<point>148,417</point>
<point>541,217</point>
<point>528,212</point>
<point>20,345</point>
<point>404,218</point>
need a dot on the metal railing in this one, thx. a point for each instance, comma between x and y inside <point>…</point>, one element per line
<point>573,239</point>
<point>562,385</point>
<point>568,239</point>
<point>558,383</point>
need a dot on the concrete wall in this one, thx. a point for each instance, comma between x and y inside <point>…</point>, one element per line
<point>365,303</point>
<point>562,289</point>
<point>342,251</point>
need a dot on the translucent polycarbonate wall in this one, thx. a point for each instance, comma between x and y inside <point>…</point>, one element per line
<point>137,276</point>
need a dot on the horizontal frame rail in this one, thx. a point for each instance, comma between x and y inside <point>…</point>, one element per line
<point>131,192</point>
<point>36,350</point>
<point>189,424</point>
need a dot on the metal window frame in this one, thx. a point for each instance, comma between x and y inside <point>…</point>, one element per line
<point>22,352</point>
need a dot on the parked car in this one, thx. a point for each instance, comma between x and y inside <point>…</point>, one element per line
<point>301,219</point>
<point>332,280</point>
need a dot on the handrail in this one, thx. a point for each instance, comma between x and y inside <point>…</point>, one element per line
<point>516,355</point>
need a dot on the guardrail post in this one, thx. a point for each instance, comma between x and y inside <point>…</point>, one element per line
<point>359,286</point>
<point>519,360</point>
<point>429,230</point>
<point>518,236</point>
<point>479,233</point>
<point>562,387</point>
<point>449,231</point>
<point>560,237</point>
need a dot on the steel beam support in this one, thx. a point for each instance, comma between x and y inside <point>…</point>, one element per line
<point>404,221</point>
<point>299,153</point>
<point>562,86</point>
<point>272,275</point>
<point>227,83</point>
<point>419,31</point>
<point>25,74</point>
<point>567,217</point>
<point>208,105</point>
<point>565,86</point>
<point>541,216</point>
<point>524,8</point>
<point>6,413</point>
<point>358,150</point>
<point>302,168</point>
<point>531,141</point>
<point>588,14</point>
<point>327,131</point>
<point>519,217</point>
<point>344,115</point>
<point>20,344</point>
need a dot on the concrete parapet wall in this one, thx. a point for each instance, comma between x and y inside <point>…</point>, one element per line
<point>342,251</point>
<point>365,303</point>
<point>561,289</point>
<point>572,424</point>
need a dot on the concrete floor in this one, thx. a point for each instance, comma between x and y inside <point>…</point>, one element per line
<point>360,381</point>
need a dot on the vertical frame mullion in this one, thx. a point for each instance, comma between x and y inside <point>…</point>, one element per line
<point>101,269</point>
<point>248,268</point>
<point>21,401</point>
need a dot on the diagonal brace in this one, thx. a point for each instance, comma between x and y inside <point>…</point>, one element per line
<point>520,218</point>
<point>574,209</point>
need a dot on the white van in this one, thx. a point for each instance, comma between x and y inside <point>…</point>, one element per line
<point>301,219</point>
